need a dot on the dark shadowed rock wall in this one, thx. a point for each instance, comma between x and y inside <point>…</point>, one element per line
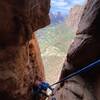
<point>21,18</point>
<point>20,62</point>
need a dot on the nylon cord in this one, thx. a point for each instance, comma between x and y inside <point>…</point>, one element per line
<point>82,70</point>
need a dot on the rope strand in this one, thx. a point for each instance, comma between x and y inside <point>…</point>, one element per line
<point>44,86</point>
<point>84,69</point>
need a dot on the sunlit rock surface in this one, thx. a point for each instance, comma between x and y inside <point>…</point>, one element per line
<point>74,17</point>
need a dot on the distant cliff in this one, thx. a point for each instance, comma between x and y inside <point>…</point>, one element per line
<point>73,19</point>
<point>56,18</point>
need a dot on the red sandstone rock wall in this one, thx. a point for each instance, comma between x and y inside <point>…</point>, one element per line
<point>18,68</point>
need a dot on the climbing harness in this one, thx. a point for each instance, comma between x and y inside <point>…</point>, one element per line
<point>44,86</point>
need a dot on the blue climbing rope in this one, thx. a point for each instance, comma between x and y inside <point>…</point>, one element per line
<point>45,86</point>
<point>82,70</point>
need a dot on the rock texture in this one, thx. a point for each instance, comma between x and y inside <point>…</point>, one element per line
<point>84,50</point>
<point>20,61</point>
<point>22,18</point>
<point>74,17</point>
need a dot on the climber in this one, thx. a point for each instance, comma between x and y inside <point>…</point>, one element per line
<point>40,89</point>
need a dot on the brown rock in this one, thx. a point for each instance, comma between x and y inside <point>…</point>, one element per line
<point>18,68</point>
<point>18,71</point>
<point>20,18</point>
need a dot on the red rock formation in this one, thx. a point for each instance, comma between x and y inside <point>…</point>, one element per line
<point>19,71</point>
<point>74,17</point>
<point>35,59</point>
<point>84,50</point>
<point>23,18</point>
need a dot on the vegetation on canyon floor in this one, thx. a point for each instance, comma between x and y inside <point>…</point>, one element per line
<point>54,41</point>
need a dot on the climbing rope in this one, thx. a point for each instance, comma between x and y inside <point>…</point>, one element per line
<point>82,70</point>
<point>45,86</point>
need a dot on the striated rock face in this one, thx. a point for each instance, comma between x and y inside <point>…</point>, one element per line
<point>84,50</point>
<point>74,17</point>
<point>20,62</point>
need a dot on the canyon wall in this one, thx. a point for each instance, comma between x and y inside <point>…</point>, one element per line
<point>20,62</point>
<point>84,50</point>
<point>73,19</point>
